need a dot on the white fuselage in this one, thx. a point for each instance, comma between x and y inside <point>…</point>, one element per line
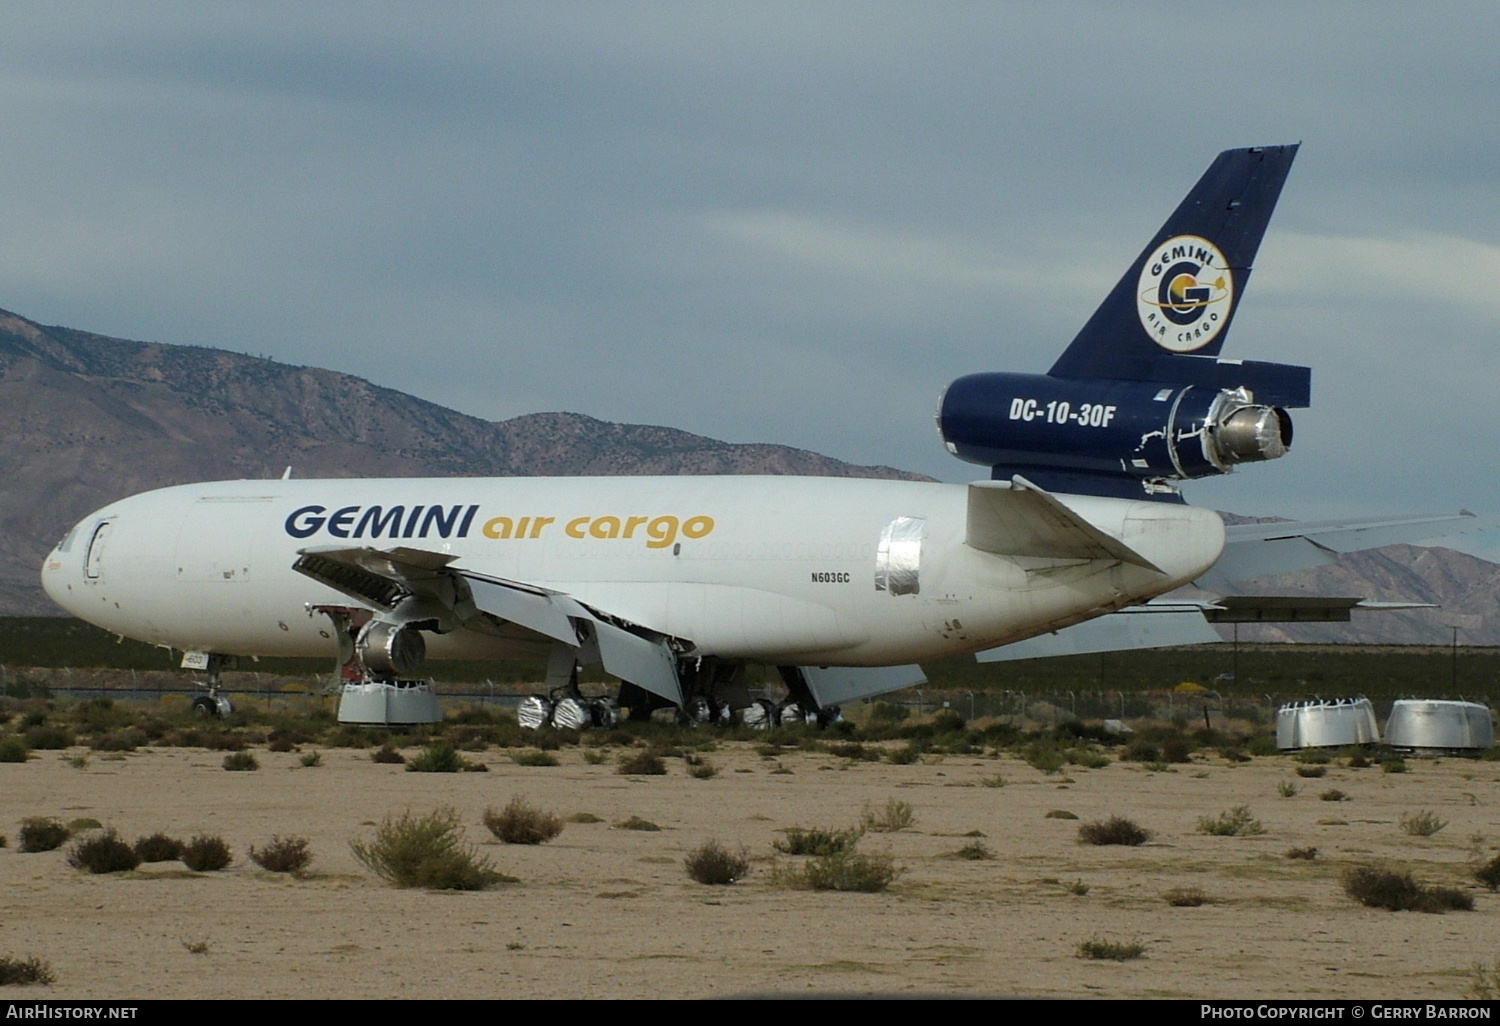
<point>781,570</point>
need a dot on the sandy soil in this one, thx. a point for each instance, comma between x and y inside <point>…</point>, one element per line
<point>603,912</point>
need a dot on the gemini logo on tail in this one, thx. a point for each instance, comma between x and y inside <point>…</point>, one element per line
<point>1185,293</point>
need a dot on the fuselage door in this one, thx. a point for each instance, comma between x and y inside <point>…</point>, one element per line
<point>93,565</point>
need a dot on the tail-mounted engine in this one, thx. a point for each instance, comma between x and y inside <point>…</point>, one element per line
<point>1130,438</point>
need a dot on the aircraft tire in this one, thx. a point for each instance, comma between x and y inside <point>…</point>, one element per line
<point>205,707</point>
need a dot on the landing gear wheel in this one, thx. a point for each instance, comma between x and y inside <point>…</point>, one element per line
<point>205,707</point>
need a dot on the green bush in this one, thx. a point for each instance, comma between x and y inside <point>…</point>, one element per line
<point>103,853</point>
<point>1312,772</point>
<point>13,749</point>
<point>206,854</point>
<point>283,855</point>
<point>815,841</point>
<point>893,816</point>
<point>426,851</point>
<point>43,737</point>
<point>1236,822</point>
<point>311,760</point>
<point>40,833</point>
<point>158,848</point>
<point>844,871</point>
<point>1114,830</point>
<point>522,823</point>
<point>713,864</point>
<point>438,757</point>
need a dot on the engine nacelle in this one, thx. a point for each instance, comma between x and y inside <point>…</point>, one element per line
<point>391,651</point>
<point>1037,425</point>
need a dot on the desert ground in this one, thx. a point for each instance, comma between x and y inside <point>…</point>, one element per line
<point>605,912</point>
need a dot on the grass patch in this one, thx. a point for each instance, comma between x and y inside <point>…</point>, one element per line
<point>522,823</point>
<point>1399,892</point>
<point>700,768</point>
<point>425,851</point>
<point>1077,887</point>
<point>894,816</point>
<point>206,853</point>
<point>311,760</point>
<point>1286,789</point>
<point>713,864</point>
<point>103,853</point>
<point>996,781</point>
<point>440,757</point>
<point>1421,824</point>
<point>1393,766</point>
<point>18,972</point>
<point>42,833</point>
<point>819,842</point>
<point>637,823</point>
<point>1110,951</point>
<point>1114,830</point>
<point>845,871</point>
<point>1235,822</point>
<point>283,855</point>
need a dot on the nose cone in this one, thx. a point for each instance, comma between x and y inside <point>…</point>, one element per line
<point>55,579</point>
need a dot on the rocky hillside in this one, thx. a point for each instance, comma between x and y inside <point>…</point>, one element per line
<point>89,418</point>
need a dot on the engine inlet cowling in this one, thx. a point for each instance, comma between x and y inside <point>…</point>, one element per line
<point>1246,433</point>
<point>391,651</point>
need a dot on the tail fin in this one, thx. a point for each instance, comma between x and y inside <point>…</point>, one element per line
<point>1179,296</point>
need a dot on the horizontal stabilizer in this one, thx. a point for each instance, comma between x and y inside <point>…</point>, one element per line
<point>1136,627</point>
<point>1252,551</point>
<point>1295,608</point>
<point>1016,518</point>
<point>835,685</point>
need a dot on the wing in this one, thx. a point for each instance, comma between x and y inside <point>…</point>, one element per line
<point>421,589</point>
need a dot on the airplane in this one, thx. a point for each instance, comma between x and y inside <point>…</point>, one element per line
<point>674,585</point>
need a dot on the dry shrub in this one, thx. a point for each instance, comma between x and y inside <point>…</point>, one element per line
<point>42,833</point>
<point>426,851</point>
<point>18,972</point>
<point>643,764</point>
<point>1488,873</point>
<point>1113,951</point>
<point>1307,854</point>
<point>894,816</point>
<point>711,863</point>
<point>387,754</point>
<point>283,855</point>
<point>206,853</point>
<point>103,853</point>
<point>1422,824</point>
<point>158,848</point>
<point>241,762</point>
<point>522,823</point>
<point>1185,897</point>
<point>1114,830</point>
<point>638,823</point>
<point>1399,892</point>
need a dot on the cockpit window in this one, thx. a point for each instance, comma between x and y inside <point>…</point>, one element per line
<point>66,545</point>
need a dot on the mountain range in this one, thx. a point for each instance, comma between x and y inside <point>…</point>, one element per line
<point>89,418</point>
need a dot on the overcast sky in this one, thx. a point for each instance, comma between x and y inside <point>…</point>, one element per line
<point>790,223</point>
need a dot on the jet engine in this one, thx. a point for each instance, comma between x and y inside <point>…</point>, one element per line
<point>1109,437</point>
<point>390,651</point>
